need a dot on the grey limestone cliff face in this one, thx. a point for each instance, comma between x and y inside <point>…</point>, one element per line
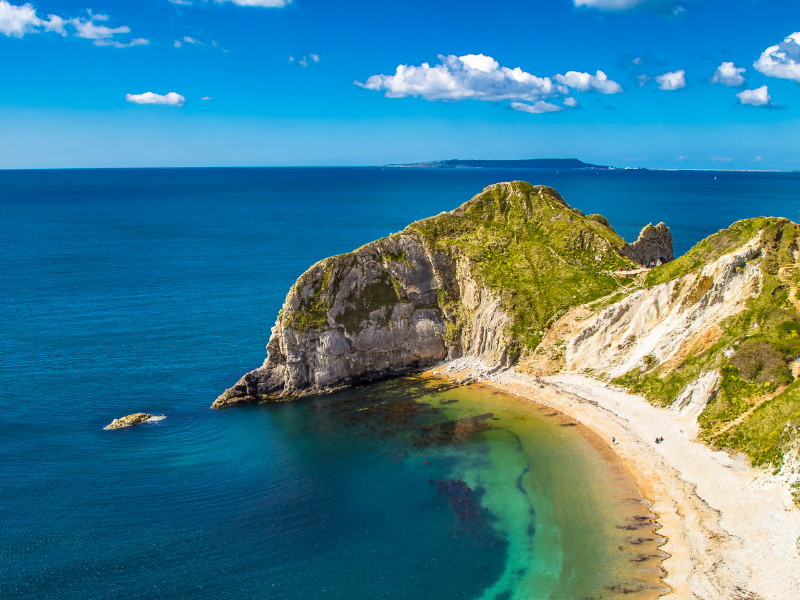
<point>654,244</point>
<point>386,309</point>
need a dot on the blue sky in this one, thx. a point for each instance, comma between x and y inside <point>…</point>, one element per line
<point>647,83</point>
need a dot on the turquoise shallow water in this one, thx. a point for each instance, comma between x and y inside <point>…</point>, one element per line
<point>153,290</point>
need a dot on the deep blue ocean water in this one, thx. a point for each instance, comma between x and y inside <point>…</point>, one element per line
<point>153,290</point>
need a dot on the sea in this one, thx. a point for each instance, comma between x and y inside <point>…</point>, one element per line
<point>153,290</point>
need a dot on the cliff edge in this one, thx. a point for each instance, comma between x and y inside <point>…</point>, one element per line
<point>484,280</point>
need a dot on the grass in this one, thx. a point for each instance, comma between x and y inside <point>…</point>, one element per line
<point>768,433</point>
<point>527,245</point>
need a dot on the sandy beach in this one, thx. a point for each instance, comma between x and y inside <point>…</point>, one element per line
<point>730,532</point>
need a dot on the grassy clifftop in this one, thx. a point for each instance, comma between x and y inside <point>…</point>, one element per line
<point>526,244</point>
<point>779,235</point>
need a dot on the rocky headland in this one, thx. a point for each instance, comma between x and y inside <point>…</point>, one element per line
<point>517,289</point>
<point>484,280</point>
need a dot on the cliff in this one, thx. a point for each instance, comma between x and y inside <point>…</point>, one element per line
<point>712,335</point>
<point>517,276</point>
<point>483,280</point>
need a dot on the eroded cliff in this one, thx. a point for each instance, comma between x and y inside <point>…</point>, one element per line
<point>484,280</point>
<point>714,335</point>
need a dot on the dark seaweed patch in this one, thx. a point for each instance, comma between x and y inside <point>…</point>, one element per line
<point>461,498</point>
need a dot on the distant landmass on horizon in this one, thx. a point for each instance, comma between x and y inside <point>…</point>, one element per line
<point>531,163</point>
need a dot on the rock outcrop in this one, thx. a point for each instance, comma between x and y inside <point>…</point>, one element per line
<point>437,290</point>
<point>129,421</point>
<point>654,245</point>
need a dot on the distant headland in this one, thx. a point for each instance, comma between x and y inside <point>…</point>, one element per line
<point>531,163</point>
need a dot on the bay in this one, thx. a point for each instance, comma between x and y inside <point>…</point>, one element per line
<point>154,290</point>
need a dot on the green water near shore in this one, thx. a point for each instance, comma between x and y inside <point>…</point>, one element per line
<point>575,525</point>
<point>571,522</point>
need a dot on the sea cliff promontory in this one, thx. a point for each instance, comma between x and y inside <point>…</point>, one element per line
<point>517,277</point>
<point>484,280</point>
<point>520,291</point>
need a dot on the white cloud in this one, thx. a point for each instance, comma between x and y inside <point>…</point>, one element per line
<point>116,44</point>
<point>191,40</point>
<point>206,98</point>
<point>585,82</point>
<point>177,44</point>
<point>303,62</point>
<point>55,24</point>
<point>181,2</point>
<point>538,107</point>
<point>264,3</point>
<point>672,81</point>
<point>757,97</point>
<point>643,79</point>
<point>622,5</point>
<point>102,35</point>
<point>86,28</point>
<point>571,102</point>
<point>728,74</point>
<point>782,60</point>
<point>170,99</point>
<point>719,159</point>
<point>472,76</point>
<point>16,21</point>
<point>480,77</point>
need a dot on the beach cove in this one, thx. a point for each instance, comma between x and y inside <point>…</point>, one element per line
<point>727,526</point>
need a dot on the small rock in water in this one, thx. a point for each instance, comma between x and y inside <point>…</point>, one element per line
<point>129,421</point>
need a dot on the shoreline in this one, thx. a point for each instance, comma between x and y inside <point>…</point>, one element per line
<point>724,538</point>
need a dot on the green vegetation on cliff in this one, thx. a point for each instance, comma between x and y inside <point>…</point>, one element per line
<point>522,242</point>
<point>756,408</point>
<point>526,244</point>
<point>779,232</point>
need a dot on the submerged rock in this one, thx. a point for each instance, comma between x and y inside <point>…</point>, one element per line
<point>129,421</point>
